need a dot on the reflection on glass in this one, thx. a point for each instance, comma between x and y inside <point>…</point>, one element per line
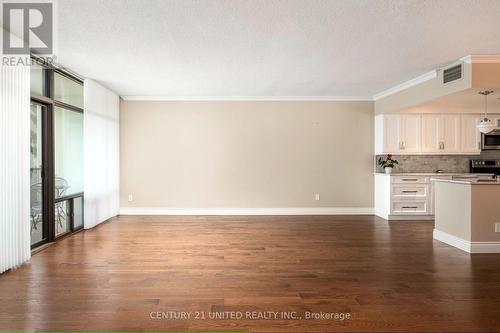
<point>36,211</point>
<point>37,80</point>
<point>61,218</point>
<point>68,151</point>
<point>68,91</point>
<point>78,212</point>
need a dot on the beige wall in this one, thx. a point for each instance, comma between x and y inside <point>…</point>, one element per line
<point>453,209</point>
<point>485,213</point>
<point>246,154</point>
<point>486,75</point>
<point>468,211</point>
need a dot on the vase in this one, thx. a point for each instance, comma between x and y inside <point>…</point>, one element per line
<point>388,170</point>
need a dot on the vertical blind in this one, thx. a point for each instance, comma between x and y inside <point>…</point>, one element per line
<point>14,166</point>
<point>102,153</point>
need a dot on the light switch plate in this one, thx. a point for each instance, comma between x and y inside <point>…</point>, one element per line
<point>316,197</point>
<point>497,227</point>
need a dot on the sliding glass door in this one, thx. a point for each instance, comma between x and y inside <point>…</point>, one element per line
<point>56,154</point>
<point>38,223</point>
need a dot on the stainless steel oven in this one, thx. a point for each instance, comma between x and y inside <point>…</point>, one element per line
<point>491,141</point>
<point>485,166</point>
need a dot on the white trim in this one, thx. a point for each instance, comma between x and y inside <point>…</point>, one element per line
<point>485,247</point>
<point>462,244</point>
<point>245,98</point>
<point>478,58</point>
<point>467,59</point>
<point>485,58</point>
<point>410,218</point>
<point>407,84</point>
<point>457,242</point>
<point>247,211</point>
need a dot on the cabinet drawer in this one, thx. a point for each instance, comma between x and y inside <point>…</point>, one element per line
<point>410,191</point>
<point>410,179</point>
<point>409,207</point>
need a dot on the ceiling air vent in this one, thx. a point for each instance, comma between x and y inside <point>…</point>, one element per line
<point>452,73</point>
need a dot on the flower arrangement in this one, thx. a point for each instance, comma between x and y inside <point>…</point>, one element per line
<point>388,163</point>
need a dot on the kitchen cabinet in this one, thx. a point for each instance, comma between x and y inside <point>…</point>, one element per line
<point>392,133</point>
<point>411,196</point>
<point>411,133</point>
<point>403,197</point>
<point>471,137</point>
<point>398,134</point>
<point>440,133</point>
<point>431,134</point>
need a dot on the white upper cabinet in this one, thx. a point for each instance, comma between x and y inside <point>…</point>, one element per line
<point>440,133</point>
<point>428,133</point>
<point>392,134</point>
<point>451,133</point>
<point>471,137</point>
<point>397,134</point>
<point>411,133</point>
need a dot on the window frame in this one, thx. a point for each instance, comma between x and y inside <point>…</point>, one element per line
<point>48,178</point>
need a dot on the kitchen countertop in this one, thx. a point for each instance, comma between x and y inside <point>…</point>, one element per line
<point>433,174</point>
<point>468,182</point>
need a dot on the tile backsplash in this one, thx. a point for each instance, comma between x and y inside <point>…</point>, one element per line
<point>431,163</point>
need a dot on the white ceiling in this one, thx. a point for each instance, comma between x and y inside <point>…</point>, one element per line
<point>234,48</point>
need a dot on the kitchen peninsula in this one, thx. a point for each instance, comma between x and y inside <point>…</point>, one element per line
<point>467,214</point>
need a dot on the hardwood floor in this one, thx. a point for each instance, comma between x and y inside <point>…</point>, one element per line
<point>386,276</point>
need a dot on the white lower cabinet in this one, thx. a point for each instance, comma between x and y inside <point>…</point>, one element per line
<point>403,197</point>
<point>410,208</point>
<point>410,195</point>
<point>409,191</point>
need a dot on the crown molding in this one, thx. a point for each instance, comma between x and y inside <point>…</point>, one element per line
<point>484,58</point>
<point>478,58</point>
<point>407,84</point>
<point>244,98</point>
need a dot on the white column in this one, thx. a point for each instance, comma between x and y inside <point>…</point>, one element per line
<point>102,154</point>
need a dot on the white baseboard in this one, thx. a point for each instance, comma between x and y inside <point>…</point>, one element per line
<point>485,247</point>
<point>464,245</point>
<point>410,218</point>
<point>247,211</point>
<point>457,242</point>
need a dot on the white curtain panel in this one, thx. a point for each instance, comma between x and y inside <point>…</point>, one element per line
<point>102,154</point>
<point>14,166</point>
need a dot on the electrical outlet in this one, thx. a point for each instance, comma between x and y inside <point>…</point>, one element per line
<point>316,197</point>
<point>497,227</point>
<point>130,197</point>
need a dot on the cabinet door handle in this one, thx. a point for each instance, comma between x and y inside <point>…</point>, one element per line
<point>409,207</point>
<point>409,179</point>
<point>479,145</point>
<point>409,191</point>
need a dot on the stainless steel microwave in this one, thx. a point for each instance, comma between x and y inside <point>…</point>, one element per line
<point>491,141</point>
